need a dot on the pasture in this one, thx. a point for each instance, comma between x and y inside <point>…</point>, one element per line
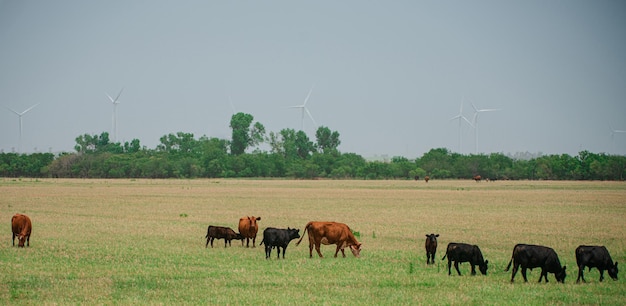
<point>142,241</point>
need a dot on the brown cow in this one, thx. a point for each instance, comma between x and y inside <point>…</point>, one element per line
<point>426,178</point>
<point>22,228</point>
<point>477,178</point>
<point>248,229</point>
<point>330,233</point>
<point>431,248</point>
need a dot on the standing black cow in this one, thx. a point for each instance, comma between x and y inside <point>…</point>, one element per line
<point>463,252</point>
<point>431,248</point>
<point>278,238</point>
<point>594,256</point>
<point>220,232</point>
<point>536,256</point>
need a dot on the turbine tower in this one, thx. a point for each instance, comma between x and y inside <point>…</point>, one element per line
<point>461,117</point>
<point>115,103</point>
<point>475,121</point>
<point>19,145</point>
<point>305,109</point>
<point>613,132</point>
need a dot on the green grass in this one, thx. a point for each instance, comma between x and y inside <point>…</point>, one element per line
<point>142,241</point>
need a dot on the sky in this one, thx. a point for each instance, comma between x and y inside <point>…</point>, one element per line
<point>387,75</point>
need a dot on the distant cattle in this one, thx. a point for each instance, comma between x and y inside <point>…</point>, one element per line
<point>248,229</point>
<point>431,248</point>
<point>592,256</point>
<point>417,177</point>
<point>330,233</point>
<point>22,227</point>
<point>427,178</point>
<point>477,178</point>
<point>278,238</point>
<point>536,256</point>
<point>220,232</point>
<point>463,252</point>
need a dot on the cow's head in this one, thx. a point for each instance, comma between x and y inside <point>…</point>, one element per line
<point>293,233</point>
<point>560,275</point>
<point>432,238</point>
<point>613,271</point>
<point>483,268</point>
<point>356,249</point>
<point>21,239</point>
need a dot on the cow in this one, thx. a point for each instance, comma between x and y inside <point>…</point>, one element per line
<point>248,229</point>
<point>536,256</point>
<point>220,232</point>
<point>463,252</point>
<point>593,256</point>
<point>278,238</point>
<point>431,248</point>
<point>330,233</point>
<point>426,179</point>
<point>477,178</point>
<point>22,227</point>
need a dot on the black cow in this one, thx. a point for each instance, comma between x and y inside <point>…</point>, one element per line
<point>431,248</point>
<point>463,252</point>
<point>536,256</point>
<point>278,238</point>
<point>220,232</point>
<point>594,256</point>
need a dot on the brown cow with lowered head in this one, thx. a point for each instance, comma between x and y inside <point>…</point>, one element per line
<point>330,233</point>
<point>21,227</point>
<point>248,229</point>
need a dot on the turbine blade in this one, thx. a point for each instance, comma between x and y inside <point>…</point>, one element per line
<point>119,94</point>
<point>307,96</point>
<point>27,110</point>
<point>309,113</point>
<point>112,101</point>
<point>12,110</point>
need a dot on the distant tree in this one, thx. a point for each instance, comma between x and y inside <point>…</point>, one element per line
<point>242,135</point>
<point>327,140</point>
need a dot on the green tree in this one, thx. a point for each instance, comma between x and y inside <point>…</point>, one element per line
<point>242,135</point>
<point>327,140</point>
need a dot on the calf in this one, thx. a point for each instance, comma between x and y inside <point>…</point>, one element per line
<point>220,232</point>
<point>477,178</point>
<point>330,233</point>
<point>594,256</point>
<point>536,256</point>
<point>462,252</point>
<point>278,238</point>
<point>431,248</point>
<point>21,227</point>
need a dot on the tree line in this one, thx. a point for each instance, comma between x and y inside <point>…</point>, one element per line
<point>291,155</point>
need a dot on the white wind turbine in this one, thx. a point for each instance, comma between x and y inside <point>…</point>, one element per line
<point>461,117</point>
<point>305,109</point>
<point>115,103</point>
<point>613,131</point>
<point>19,145</point>
<point>475,121</point>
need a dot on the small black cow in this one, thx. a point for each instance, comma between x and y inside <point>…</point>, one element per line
<point>594,256</point>
<point>220,232</point>
<point>278,238</point>
<point>463,252</point>
<point>536,256</point>
<point>431,248</point>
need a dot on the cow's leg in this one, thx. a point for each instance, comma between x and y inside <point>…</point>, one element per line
<point>28,240</point>
<point>207,243</point>
<point>432,257</point>
<point>601,274</point>
<point>13,239</point>
<point>337,251</point>
<point>225,242</point>
<point>524,274</point>
<point>284,249</point>
<point>310,250</point>
<point>212,238</point>
<point>581,268</point>
<point>317,248</point>
<point>544,274</point>
<point>473,270</point>
<point>343,252</point>
<point>428,258</point>
<point>456,266</point>
<point>514,271</point>
<point>449,266</point>
<point>268,251</point>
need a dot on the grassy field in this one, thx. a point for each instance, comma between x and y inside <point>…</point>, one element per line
<point>142,241</point>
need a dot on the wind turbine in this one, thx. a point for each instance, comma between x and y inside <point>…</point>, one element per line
<point>305,109</point>
<point>613,136</point>
<point>19,146</point>
<point>475,121</point>
<point>461,117</point>
<point>115,103</point>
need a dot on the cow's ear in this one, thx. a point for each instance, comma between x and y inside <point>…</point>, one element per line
<point>564,268</point>
<point>258,218</point>
<point>426,235</point>
<point>486,261</point>
<point>437,235</point>
<point>616,264</point>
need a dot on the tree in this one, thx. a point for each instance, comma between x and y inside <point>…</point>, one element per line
<point>327,141</point>
<point>243,136</point>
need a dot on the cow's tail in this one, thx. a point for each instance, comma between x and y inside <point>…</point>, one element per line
<point>444,256</point>
<point>305,229</point>
<point>509,265</point>
<point>262,241</point>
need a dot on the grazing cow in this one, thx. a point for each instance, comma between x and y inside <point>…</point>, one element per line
<point>477,178</point>
<point>330,233</point>
<point>22,227</point>
<point>594,256</point>
<point>278,238</point>
<point>427,178</point>
<point>220,232</point>
<point>431,248</point>
<point>417,177</point>
<point>463,252</point>
<point>536,256</point>
<point>248,229</point>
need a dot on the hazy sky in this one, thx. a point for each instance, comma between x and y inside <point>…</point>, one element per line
<point>388,75</point>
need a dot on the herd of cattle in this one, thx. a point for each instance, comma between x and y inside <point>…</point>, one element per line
<point>524,255</point>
